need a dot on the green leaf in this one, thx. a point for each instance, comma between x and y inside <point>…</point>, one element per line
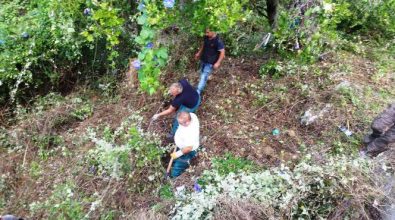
<point>90,38</point>
<point>162,53</point>
<point>142,19</point>
<point>151,90</point>
<point>141,56</point>
<point>147,34</point>
<point>139,40</point>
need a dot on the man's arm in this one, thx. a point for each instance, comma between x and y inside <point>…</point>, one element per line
<point>186,150</point>
<point>220,58</point>
<point>199,53</point>
<point>168,111</point>
<point>179,153</point>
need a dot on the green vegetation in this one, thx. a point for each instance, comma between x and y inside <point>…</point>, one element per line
<point>127,152</point>
<point>64,203</point>
<point>76,140</point>
<point>231,164</point>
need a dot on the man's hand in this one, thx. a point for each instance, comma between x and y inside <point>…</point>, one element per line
<point>197,56</point>
<point>155,117</point>
<point>176,155</point>
<point>216,65</point>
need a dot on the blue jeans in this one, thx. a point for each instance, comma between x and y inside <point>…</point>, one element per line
<point>182,163</point>
<point>183,109</point>
<point>205,71</point>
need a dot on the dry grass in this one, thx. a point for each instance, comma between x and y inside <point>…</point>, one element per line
<point>231,209</point>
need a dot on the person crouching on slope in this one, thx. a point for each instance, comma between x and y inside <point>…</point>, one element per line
<point>185,99</point>
<point>186,139</point>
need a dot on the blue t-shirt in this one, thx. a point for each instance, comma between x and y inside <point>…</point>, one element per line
<point>188,97</point>
<point>211,49</point>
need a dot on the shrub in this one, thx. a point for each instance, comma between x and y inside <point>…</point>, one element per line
<point>367,17</point>
<point>47,144</point>
<point>63,204</point>
<point>41,40</point>
<point>128,152</point>
<point>271,68</point>
<point>309,190</point>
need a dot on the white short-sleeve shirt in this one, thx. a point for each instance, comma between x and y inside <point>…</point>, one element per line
<point>188,136</point>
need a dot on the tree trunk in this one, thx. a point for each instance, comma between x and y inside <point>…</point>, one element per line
<point>271,10</point>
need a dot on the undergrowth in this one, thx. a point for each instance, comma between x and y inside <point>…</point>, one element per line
<point>312,189</point>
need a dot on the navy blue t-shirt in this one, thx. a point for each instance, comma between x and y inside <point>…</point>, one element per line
<point>211,49</point>
<point>188,97</point>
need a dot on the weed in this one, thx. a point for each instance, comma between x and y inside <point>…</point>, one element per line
<point>260,99</point>
<point>271,68</point>
<point>110,215</point>
<point>165,192</point>
<point>83,109</point>
<point>5,141</point>
<point>127,150</point>
<point>348,95</point>
<point>35,170</point>
<point>46,144</point>
<point>182,64</point>
<point>347,146</point>
<point>63,204</point>
<point>231,164</point>
<point>107,86</point>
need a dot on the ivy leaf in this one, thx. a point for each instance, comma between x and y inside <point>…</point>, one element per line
<point>141,56</point>
<point>161,62</point>
<point>139,40</point>
<point>146,34</point>
<point>141,75</point>
<point>162,53</point>
<point>142,19</point>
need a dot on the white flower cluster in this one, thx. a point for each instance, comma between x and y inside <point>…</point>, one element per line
<point>110,156</point>
<point>280,188</point>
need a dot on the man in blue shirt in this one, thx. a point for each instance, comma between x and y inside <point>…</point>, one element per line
<point>211,54</point>
<point>185,99</point>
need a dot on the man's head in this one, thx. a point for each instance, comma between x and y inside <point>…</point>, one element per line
<point>184,119</point>
<point>175,89</point>
<point>209,33</point>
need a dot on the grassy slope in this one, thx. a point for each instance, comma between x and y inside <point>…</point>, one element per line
<point>238,112</point>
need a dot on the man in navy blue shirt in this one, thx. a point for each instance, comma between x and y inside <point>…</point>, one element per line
<point>185,99</point>
<point>211,54</point>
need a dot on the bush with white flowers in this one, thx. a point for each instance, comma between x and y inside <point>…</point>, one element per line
<point>128,152</point>
<point>308,190</point>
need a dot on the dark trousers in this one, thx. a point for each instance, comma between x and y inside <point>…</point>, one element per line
<point>182,163</point>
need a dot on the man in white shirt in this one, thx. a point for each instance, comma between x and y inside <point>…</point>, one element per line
<point>186,139</point>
